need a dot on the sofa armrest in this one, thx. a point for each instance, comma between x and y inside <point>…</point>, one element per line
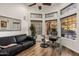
<point>0,48</point>
<point>31,38</point>
<point>3,53</point>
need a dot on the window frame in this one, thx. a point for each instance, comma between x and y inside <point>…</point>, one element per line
<point>41,25</point>
<point>67,25</point>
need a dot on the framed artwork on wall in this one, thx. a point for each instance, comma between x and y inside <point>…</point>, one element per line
<point>3,23</point>
<point>9,24</point>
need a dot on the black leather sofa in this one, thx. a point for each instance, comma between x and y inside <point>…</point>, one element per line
<point>22,42</point>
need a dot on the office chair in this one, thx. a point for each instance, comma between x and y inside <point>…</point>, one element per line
<point>44,44</point>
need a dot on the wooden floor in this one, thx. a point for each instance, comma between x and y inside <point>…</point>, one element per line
<point>36,50</point>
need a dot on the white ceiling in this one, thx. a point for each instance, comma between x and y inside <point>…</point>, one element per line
<point>40,4</point>
<point>44,7</point>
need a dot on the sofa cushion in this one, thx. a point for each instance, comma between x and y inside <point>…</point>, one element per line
<point>7,40</point>
<point>20,38</point>
<point>28,43</point>
<point>10,45</point>
<point>4,53</point>
<point>11,50</point>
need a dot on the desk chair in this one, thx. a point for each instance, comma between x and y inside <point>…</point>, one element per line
<point>53,40</point>
<point>44,44</point>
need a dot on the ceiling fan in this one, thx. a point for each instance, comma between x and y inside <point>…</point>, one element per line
<point>40,7</point>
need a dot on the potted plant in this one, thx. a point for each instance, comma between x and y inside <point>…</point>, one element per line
<point>33,30</point>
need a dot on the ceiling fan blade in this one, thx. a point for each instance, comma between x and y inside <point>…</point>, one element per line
<point>48,4</point>
<point>32,4</point>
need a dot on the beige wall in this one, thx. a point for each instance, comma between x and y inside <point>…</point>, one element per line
<point>20,10</point>
<point>17,11</point>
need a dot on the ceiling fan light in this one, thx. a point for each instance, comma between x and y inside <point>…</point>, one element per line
<point>40,7</point>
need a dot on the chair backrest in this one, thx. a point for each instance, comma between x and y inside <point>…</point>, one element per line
<point>53,38</point>
<point>7,40</point>
<point>43,38</point>
<point>20,38</point>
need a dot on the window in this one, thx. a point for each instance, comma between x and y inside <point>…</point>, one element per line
<point>53,14</point>
<point>38,26</point>
<point>51,26</point>
<point>34,15</point>
<point>68,8</point>
<point>68,26</point>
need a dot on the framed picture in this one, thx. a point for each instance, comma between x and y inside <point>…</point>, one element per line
<point>3,23</point>
<point>9,24</point>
